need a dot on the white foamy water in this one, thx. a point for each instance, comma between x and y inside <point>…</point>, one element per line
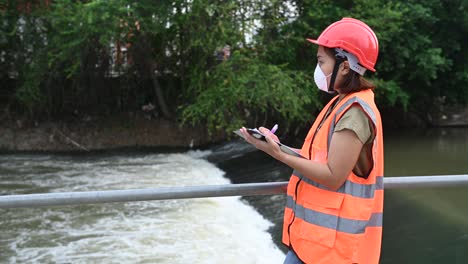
<point>207,230</point>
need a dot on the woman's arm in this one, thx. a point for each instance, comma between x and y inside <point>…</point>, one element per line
<point>344,151</point>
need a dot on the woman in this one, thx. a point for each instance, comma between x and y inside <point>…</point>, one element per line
<point>334,203</point>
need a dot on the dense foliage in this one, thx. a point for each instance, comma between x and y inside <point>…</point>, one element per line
<point>218,63</point>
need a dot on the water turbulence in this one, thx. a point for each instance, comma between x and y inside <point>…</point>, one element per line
<point>205,230</point>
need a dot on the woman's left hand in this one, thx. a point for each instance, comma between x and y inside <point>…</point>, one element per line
<point>270,146</point>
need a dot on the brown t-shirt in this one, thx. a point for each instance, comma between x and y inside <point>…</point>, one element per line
<point>357,121</point>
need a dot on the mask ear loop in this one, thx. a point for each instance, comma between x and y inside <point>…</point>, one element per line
<point>339,59</point>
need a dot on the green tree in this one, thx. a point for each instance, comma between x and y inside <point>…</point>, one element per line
<point>63,56</point>
<point>246,91</point>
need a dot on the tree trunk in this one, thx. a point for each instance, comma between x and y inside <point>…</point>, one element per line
<point>159,93</point>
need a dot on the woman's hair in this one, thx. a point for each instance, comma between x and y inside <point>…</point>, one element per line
<point>353,81</point>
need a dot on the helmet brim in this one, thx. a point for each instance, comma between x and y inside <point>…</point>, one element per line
<point>320,43</point>
<point>313,41</point>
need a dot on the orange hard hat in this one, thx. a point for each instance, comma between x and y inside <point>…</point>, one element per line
<point>353,36</point>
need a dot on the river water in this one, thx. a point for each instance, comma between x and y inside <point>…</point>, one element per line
<point>420,225</point>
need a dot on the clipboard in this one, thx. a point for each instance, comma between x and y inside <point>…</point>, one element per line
<point>259,135</point>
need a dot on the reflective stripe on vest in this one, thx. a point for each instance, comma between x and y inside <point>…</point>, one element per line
<point>345,225</point>
<point>352,188</point>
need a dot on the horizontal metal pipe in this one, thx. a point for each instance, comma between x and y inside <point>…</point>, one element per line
<point>425,181</point>
<point>248,189</point>
<point>71,198</point>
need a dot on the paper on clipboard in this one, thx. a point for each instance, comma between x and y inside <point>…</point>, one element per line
<point>259,135</point>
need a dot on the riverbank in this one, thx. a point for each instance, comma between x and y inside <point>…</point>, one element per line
<point>133,130</point>
<point>101,133</point>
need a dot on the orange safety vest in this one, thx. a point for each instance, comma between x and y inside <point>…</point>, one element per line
<point>342,226</point>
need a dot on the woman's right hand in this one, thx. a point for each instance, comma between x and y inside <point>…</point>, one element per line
<point>270,146</point>
<point>267,131</point>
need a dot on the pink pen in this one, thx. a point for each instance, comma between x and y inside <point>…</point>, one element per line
<point>273,130</point>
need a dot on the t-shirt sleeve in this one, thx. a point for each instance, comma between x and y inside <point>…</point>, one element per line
<point>355,120</point>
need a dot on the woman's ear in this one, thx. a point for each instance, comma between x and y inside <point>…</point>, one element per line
<point>344,68</point>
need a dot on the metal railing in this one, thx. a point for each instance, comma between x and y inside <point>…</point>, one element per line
<point>248,189</point>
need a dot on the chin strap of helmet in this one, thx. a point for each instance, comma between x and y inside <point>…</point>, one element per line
<point>339,58</point>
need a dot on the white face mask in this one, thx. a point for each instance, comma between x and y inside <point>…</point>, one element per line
<point>321,80</point>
